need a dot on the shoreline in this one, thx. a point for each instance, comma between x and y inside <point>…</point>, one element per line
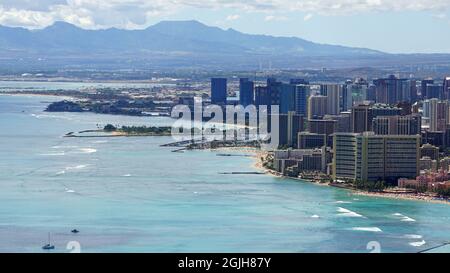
<point>258,164</point>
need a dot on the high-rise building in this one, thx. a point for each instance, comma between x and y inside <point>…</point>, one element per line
<point>287,98</point>
<point>307,140</point>
<point>357,92</point>
<point>446,88</point>
<point>346,97</point>
<point>290,125</point>
<point>370,157</point>
<point>434,91</point>
<point>423,87</point>
<point>361,118</point>
<point>219,91</point>
<point>274,89</point>
<point>317,107</point>
<point>262,96</point>
<point>397,125</point>
<point>333,93</point>
<point>392,90</point>
<point>437,111</point>
<point>343,121</point>
<point>320,126</point>
<point>363,114</point>
<point>344,156</point>
<point>246,92</point>
<point>301,99</point>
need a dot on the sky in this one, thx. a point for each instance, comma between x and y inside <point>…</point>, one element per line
<point>395,26</point>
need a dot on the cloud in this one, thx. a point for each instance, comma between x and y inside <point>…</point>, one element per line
<point>269,18</point>
<point>233,17</point>
<point>307,17</point>
<point>139,13</point>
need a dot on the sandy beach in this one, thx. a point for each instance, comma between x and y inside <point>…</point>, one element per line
<point>400,196</point>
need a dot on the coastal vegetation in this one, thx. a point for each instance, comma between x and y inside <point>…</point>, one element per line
<point>139,130</point>
<point>369,186</point>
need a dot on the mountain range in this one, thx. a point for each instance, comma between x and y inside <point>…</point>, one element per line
<point>169,43</point>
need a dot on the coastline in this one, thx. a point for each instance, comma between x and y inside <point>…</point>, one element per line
<point>258,164</point>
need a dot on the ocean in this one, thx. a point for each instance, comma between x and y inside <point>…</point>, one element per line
<point>128,194</point>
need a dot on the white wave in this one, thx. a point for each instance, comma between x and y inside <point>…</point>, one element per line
<point>348,213</point>
<point>64,147</point>
<point>36,116</point>
<point>126,175</point>
<point>417,244</point>
<point>413,236</point>
<point>61,172</point>
<point>343,202</point>
<point>78,167</point>
<point>404,218</point>
<point>407,219</point>
<point>54,154</point>
<point>369,229</point>
<point>70,191</point>
<point>315,216</point>
<point>87,150</point>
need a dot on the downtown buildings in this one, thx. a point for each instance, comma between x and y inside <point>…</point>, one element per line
<point>394,128</point>
<point>370,157</point>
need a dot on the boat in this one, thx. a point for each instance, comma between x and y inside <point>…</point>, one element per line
<point>48,246</point>
<point>75,231</point>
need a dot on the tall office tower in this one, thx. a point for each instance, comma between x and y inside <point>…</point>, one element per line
<point>345,97</point>
<point>307,140</point>
<point>274,91</point>
<point>262,96</point>
<point>287,98</point>
<point>407,91</point>
<point>317,106</point>
<point>392,90</point>
<point>434,91</point>
<point>446,91</point>
<point>333,93</point>
<point>219,91</point>
<point>344,159</point>
<point>290,125</point>
<point>397,125</point>
<point>361,120</point>
<point>343,121</point>
<point>423,87</point>
<point>246,92</point>
<point>364,113</point>
<point>386,158</point>
<point>301,99</point>
<point>358,91</point>
<point>438,114</point>
<point>320,126</point>
<point>372,93</point>
<point>414,91</point>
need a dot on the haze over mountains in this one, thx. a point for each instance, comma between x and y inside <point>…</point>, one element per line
<point>171,44</point>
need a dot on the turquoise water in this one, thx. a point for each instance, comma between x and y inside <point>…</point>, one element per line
<point>131,195</point>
